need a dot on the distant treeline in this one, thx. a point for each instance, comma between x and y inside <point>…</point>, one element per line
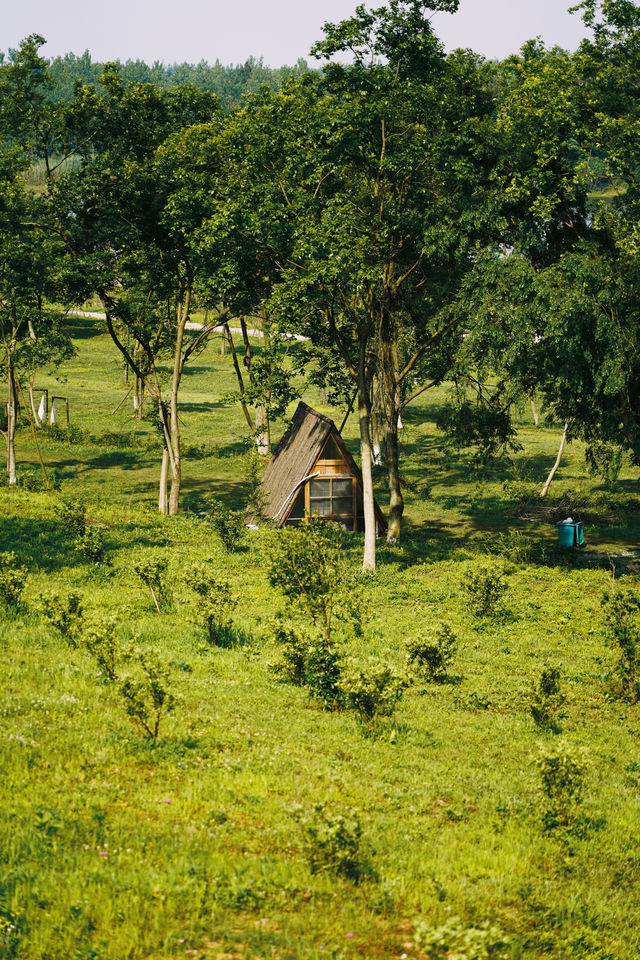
<point>228,82</point>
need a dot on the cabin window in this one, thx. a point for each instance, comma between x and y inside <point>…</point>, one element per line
<point>331,497</point>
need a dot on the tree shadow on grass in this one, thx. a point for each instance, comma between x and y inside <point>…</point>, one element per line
<point>38,543</point>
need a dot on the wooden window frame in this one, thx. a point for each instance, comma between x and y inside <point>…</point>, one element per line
<point>337,517</point>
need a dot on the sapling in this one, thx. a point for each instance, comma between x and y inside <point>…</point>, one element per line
<point>64,614</point>
<point>147,698</point>
<point>333,843</point>
<point>101,642</point>
<point>546,700</point>
<point>215,601</point>
<point>91,545</point>
<point>73,514</point>
<point>622,612</point>
<point>562,772</point>
<point>485,585</point>
<point>432,655</point>
<point>228,525</point>
<point>371,689</point>
<point>151,569</point>
<point>13,577</point>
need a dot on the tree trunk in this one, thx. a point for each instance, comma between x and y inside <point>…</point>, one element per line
<point>536,418</point>
<point>11,420</point>
<point>178,360</point>
<point>391,394</point>
<point>236,366</point>
<point>552,473</point>
<point>375,429</point>
<point>369,558</point>
<point>34,413</point>
<point>263,433</point>
<point>164,470</point>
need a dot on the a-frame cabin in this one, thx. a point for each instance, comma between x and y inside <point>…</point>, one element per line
<point>312,473</point>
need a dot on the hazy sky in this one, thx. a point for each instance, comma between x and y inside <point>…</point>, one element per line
<point>278,30</point>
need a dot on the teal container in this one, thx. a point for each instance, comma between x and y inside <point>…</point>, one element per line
<point>570,534</point>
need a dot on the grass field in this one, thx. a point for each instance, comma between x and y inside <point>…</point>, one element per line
<point>114,846</point>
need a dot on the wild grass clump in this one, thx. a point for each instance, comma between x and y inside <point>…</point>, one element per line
<point>457,940</point>
<point>431,656</point>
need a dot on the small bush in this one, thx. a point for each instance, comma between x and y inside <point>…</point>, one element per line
<point>622,613</point>
<point>64,614</point>
<point>515,545</point>
<point>147,698</point>
<point>101,642</point>
<point>73,514</point>
<point>151,570</point>
<point>34,481</point>
<point>372,690</point>
<point>485,585</point>
<point>562,771</point>
<point>432,655</point>
<point>333,843</point>
<point>229,526</point>
<point>215,602</point>
<point>323,674</point>
<point>91,545</point>
<point>456,940</point>
<point>295,653</point>
<point>546,700</point>
<point>13,577</point>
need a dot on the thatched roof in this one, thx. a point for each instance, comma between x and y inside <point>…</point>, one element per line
<point>294,458</point>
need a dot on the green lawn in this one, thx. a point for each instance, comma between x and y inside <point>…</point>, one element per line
<point>112,846</point>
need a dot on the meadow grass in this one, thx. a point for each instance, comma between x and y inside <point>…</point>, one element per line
<point>115,846</point>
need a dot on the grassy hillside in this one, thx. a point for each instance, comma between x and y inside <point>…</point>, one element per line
<point>201,843</point>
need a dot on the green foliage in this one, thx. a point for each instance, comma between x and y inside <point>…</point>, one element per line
<point>228,524</point>
<point>294,647</point>
<point>371,689</point>
<point>100,639</point>
<point>255,496</point>
<point>562,772</point>
<point>333,843</point>
<point>151,570</point>
<point>91,545</point>
<point>147,697</point>
<point>215,602</point>
<point>323,673</point>
<point>604,460</point>
<point>431,656</point>
<point>514,545</point>
<point>622,616</point>
<point>73,515</point>
<point>65,615</point>
<point>546,700</point>
<point>306,564</point>
<point>13,577</point>
<point>456,940</point>
<point>485,585</point>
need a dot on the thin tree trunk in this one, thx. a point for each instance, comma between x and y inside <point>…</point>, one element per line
<point>375,428</point>
<point>391,396</point>
<point>32,404</point>
<point>369,558</point>
<point>164,471</point>
<point>11,419</point>
<point>236,366</point>
<point>178,360</point>
<point>263,438</point>
<point>536,418</point>
<point>552,472</point>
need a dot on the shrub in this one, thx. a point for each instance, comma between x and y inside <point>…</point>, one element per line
<point>456,940</point>
<point>306,564</point>
<point>295,653</point>
<point>432,655</point>
<point>546,700</point>
<point>100,640</point>
<point>333,843</point>
<point>515,545</point>
<point>229,526</point>
<point>91,545</point>
<point>73,514</point>
<point>562,771</point>
<point>151,570</point>
<point>215,602</point>
<point>64,614</point>
<point>485,585</point>
<point>13,577</point>
<point>622,612</point>
<point>147,697</point>
<point>323,674</point>
<point>372,690</point>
